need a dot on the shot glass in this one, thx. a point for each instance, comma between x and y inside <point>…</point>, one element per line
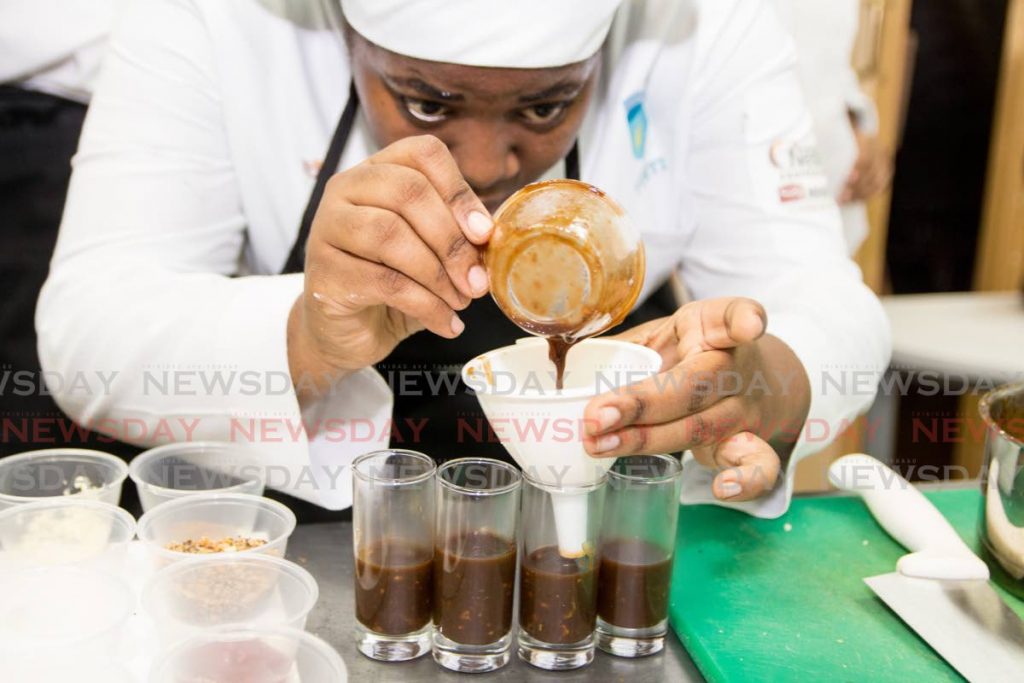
<point>57,472</point>
<point>393,543</point>
<point>558,590</point>
<point>637,544</point>
<point>176,470</point>
<point>475,563</point>
<point>187,598</point>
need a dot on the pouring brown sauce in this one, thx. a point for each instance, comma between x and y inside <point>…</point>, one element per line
<point>564,264</point>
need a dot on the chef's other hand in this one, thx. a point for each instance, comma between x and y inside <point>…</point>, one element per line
<point>733,395</point>
<point>394,248</point>
<point>871,172</point>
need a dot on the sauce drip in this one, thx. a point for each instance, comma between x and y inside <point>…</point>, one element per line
<point>558,349</point>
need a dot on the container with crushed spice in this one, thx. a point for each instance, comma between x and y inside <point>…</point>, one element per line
<point>214,524</point>
<point>220,589</point>
<point>207,546</point>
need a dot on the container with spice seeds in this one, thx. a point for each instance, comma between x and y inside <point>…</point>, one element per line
<point>186,598</point>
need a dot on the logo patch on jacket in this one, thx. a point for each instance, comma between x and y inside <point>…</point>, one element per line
<point>800,173</point>
<point>636,117</point>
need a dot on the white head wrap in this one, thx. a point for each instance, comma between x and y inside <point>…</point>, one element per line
<point>499,33</point>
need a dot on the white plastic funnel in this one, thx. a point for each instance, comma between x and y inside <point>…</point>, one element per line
<point>542,427</point>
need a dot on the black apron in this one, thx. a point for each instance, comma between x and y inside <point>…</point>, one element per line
<point>434,412</point>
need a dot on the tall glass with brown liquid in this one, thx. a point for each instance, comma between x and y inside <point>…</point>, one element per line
<point>557,593</point>
<point>475,563</point>
<point>637,543</point>
<point>393,542</point>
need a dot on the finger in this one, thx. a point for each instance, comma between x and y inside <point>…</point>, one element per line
<point>347,284</point>
<point>431,157</point>
<point>685,389</point>
<point>643,333</point>
<point>716,423</point>
<point>710,324</point>
<point>646,334</point>
<point>410,194</point>
<point>384,237</point>
<point>752,468</point>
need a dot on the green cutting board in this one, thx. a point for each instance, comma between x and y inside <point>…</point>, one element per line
<point>783,599</point>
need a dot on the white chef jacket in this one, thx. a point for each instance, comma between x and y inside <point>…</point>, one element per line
<point>197,159</point>
<point>54,46</point>
<point>824,33</point>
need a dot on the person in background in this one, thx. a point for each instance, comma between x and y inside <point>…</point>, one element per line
<point>50,52</point>
<point>845,119</point>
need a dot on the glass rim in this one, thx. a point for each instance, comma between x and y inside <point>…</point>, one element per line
<point>516,483</point>
<point>562,488</point>
<point>676,470</point>
<point>985,408</point>
<point>392,481</point>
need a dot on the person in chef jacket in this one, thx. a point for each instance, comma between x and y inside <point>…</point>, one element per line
<point>303,190</point>
<point>50,51</point>
<point>845,119</point>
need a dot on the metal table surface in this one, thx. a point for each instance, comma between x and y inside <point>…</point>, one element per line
<point>326,551</point>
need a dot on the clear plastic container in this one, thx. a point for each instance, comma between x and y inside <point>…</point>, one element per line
<point>81,668</point>
<point>188,468</point>
<point>250,656</point>
<point>187,598</point>
<point>36,475</point>
<point>215,517</point>
<point>65,531</point>
<point>62,613</point>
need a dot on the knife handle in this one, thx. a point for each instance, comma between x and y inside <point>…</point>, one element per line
<point>910,518</point>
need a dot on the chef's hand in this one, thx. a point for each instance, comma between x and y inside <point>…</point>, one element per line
<point>393,249</point>
<point>733,395</point>
<point>871,172</point>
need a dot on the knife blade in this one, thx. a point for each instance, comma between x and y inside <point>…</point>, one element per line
<point>941,589</point>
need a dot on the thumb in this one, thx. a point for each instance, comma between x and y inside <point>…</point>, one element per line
<point>720,324</point>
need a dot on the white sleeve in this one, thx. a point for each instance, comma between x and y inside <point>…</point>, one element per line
<point>142,284</point>
<point>38,34</point>
<point>767,229</point>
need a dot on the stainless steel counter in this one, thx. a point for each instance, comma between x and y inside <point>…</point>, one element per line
<point>326,551</point>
